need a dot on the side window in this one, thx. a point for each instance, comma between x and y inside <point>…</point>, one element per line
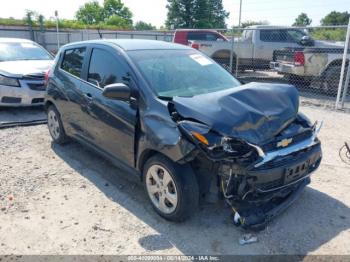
<point>105,69</point>
<point>211,37</point>
<point>273,35</point>
<point>73,60</point>
<point>197,36</point>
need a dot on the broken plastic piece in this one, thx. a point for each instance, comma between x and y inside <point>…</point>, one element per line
<point>248,239</point>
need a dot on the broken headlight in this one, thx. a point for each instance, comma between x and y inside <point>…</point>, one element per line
<point>214,144</point>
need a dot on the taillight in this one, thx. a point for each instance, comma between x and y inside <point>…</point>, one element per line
<point>195,46</point>
<point>46,77</point>
<point>299,59</point>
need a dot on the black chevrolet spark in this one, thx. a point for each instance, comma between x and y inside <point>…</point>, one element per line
<point>185,126</point>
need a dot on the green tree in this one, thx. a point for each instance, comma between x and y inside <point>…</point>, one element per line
<point>336,18</point>
<point>90,13</point>
<point>29,17</point>
<point>140,25</point>
<point>302,20</point>
<point>116,7</point>
<point>118,21</point>
<point>112,13</point>
<point>217,14</point>
<point>196,14</point>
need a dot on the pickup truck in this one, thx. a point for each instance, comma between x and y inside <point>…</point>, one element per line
<point>316,66</point>
<point>254,49</point>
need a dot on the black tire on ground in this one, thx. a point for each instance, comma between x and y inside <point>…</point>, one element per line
<point>299,81</point>
<point>55,126</point>
<point>330,80</point>
<point>184,181</point>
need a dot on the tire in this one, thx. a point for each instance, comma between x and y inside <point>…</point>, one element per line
<point>330,80</point>
<point>176,200</point>
<point>55,126</point>
<point>299,81</point>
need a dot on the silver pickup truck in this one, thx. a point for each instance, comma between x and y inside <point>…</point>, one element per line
<point>254,49</point>
<point>318,65</point>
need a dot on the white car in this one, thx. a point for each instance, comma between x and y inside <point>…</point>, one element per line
<point>23,65</point>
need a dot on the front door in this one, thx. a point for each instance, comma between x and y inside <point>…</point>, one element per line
<point>111,122</point>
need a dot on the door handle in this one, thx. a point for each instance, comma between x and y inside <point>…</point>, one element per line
<point>88,96</point>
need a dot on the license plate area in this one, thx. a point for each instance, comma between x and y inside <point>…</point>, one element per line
<point>297,171</point>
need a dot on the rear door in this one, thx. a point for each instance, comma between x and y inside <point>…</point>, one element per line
<point>68,79</point>
<point>110,122</point>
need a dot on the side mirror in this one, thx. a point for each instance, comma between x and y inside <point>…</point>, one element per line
<point>118,91</point>
<point>306,41</point>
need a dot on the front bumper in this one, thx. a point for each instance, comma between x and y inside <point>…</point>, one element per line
<point>275,185</point>
<point>30,93</point>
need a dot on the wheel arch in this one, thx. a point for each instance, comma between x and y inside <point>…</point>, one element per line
<point>222,54</point>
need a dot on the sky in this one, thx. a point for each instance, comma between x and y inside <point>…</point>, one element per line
<point>277,12</point>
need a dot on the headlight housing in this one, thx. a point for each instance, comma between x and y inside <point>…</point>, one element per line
<point>9,81</point>
<point>215,145</point>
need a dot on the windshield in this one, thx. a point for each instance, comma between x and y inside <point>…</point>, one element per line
<point>181,72</point>
<point>22,51</point>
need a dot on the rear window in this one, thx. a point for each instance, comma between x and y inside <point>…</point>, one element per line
<point>203,36</point>
<point>282,35</point>
<point>73,61</point>
<point>273,36</point>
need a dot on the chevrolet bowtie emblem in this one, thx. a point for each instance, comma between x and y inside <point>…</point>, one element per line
<point>284,142</point>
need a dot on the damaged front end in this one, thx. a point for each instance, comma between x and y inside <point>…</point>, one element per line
<point>258,181</point>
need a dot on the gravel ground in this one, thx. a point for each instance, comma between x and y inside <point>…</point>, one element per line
<point>67,200</point>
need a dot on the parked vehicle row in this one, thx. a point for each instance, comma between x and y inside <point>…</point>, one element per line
<point>23,64</point>
<point>318,67</point>
<point>254,49</point>
<point>185,126</point>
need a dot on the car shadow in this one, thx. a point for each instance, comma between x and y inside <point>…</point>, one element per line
<point>21,114</point>
<point>315,219</point>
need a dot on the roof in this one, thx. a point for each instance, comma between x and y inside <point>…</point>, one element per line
<point>135,44</point>
<point>14,40</point>
<point>268,27</point>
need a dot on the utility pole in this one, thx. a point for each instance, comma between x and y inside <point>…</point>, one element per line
<point>57,32</point>
<point>240,13</point>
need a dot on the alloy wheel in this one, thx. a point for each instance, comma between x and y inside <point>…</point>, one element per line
<point>161,189</point>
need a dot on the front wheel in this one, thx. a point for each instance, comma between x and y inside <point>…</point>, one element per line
<point>171,188</point>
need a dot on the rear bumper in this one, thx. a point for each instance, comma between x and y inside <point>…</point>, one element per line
<point>285,68</point>
<point>25,95</point>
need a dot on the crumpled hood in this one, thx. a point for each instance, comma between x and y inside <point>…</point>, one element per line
<point>26,67</point>
<point>255,112</point>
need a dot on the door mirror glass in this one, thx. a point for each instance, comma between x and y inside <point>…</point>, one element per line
<point>306,41</point>
<point>118,91</point>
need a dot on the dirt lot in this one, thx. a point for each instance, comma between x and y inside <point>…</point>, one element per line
<point>67,200</point>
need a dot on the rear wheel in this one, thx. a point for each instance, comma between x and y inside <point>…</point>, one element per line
<point>171,188</point>
<point>330,80</point>
<point>55,126</point>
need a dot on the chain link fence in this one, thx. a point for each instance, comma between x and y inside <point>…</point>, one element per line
<point>314,59</point>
